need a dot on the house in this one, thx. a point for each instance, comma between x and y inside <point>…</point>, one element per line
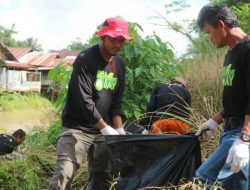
<point>16,76</point>
<point>22,69</point>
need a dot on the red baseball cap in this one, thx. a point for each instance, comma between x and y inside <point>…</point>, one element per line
<point>114,27</point>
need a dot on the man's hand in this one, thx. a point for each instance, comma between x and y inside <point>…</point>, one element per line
<point>109,131</point>
<point>120,131</point>
<point>207,129</point>
<point>238,155</point>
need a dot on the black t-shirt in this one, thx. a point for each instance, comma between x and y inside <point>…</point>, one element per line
<point>7,144</point>
<point>173,99</point>
<point>236,80</point>
<point>95,91</point>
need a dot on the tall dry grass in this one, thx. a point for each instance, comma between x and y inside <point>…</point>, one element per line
<point>205,84</point>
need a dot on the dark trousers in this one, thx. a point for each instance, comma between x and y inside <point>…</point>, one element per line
<point>99,166</point>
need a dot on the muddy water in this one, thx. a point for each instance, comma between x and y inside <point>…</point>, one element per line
<point>25,119</point>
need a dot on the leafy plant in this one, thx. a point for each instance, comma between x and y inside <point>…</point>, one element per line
<point>149,61</point>
<point>60,76</point>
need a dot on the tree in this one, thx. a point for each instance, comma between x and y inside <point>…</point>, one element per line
<point>77,45</point>
<point>30,42</point>
<point>6,36</point>
<point>241,8</point>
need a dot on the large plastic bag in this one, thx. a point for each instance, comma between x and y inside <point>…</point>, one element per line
<point>141,161</point>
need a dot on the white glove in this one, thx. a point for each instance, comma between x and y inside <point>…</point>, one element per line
<point>145,132</point>
<point>120,131</point>
<point>207,129</point>
<point>109,131</point>
<point>238,155</point>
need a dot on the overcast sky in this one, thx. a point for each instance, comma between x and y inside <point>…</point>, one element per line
<point>56,23</point>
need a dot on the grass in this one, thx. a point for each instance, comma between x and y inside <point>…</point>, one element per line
<point>16,101</point>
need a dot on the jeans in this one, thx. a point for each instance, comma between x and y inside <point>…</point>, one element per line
<point>208,172</point>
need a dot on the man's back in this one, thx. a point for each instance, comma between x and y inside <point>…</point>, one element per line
<point>172,98</point>
<point>7,144</point>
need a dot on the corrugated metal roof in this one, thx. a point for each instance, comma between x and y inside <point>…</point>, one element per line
<point>24,58</point>
<point>69,59</point>
<point>19,52</point>
<point>42,59</point>
<point>65,53</point>
<point>14,64</point>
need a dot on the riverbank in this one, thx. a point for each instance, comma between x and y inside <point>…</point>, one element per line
<point>25,112</point>
<point>26,119</point>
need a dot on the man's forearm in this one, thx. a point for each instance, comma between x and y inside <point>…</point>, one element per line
<point>117,121</point>
<point>101,124</point>
<point>246,126</point>
<point>218,117</point>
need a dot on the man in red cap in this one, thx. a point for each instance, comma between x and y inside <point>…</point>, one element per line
<point>93,108</point>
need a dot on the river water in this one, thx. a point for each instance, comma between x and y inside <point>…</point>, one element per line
<point>25,119</point>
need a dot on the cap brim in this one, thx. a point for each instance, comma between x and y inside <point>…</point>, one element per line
<point>114,35</point>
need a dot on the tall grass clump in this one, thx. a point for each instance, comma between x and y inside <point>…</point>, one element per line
<point>205,84</point>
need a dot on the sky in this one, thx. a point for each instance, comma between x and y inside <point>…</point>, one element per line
<point>56,23</point>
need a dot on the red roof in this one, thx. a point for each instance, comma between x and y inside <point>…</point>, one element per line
<point>19,52</point>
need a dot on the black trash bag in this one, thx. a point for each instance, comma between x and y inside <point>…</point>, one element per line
<point>150,161</point>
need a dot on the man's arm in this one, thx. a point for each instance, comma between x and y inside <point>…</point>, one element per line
<point>81,85</point>
<point>101,124</point>
<point>207,129</point>
<point>246,126</point>
<point>218,117</point>
<point>117,121</point>
<point>105,129</point>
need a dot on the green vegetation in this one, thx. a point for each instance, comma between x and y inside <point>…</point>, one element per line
<point>16,101</point>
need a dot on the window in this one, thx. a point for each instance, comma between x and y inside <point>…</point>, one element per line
<point>33,76</point>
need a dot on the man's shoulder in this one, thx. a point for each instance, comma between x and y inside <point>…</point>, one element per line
<point>6,138</point>
<point>88,52</point>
